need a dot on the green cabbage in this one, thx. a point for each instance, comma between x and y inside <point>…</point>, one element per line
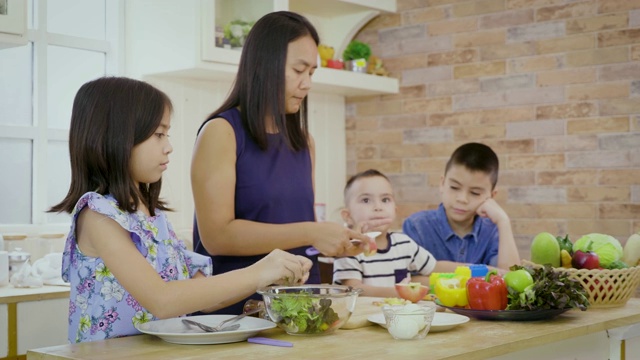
<point>607,247</point>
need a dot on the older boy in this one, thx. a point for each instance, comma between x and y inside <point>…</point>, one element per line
<point>469,227</point>
<point>368,196</point>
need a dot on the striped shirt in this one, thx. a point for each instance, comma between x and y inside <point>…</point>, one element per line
<point>388,266</point>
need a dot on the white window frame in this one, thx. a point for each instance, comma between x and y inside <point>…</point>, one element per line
<point>113,47</point>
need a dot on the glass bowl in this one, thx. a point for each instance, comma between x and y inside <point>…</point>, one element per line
<point>310,309</point>
<point>409,322</point>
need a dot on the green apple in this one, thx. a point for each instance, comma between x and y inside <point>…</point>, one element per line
<point>518,280</point>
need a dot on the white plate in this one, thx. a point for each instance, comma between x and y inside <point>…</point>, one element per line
<point>441,321</point>
<point>174,331</point>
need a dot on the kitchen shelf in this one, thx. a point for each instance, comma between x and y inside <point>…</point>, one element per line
<point>325,80</point>
<point>177,39</point>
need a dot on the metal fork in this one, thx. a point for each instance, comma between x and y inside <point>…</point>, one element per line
<point>208,328</point>
<point>221,325</point>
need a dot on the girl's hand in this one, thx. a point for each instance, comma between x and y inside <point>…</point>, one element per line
<point>282,268</point>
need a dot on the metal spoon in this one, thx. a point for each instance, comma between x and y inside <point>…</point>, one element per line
<point>372,234</point>
<point>220,326</point>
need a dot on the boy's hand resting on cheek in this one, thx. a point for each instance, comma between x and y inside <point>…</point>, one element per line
<point>282,268</point>
<point>490,209</point>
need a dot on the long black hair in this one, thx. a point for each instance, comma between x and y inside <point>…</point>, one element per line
<point>259,86</point>
<point>110,116</point>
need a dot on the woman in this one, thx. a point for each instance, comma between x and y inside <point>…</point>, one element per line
<point>253,163</point>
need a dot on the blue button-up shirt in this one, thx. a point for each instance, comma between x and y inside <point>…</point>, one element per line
<point>431,230</point>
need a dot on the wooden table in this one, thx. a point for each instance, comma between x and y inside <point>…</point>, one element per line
<point>582,335</point>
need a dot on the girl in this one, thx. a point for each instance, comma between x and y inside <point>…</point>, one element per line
<point>252,168</point>
<point>121,256</point>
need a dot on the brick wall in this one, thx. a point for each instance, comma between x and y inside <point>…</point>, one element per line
<point>553,86</point>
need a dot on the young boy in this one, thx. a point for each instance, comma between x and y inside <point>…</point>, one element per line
<point>469,227</point>
<point>369,196</point>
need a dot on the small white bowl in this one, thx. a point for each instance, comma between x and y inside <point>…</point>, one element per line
<point>409,322</point>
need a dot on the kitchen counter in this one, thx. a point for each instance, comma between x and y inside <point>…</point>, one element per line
<point>10,294</point>
<point>597,333</point>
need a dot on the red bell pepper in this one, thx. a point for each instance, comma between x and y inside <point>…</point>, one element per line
<point>487,293</point>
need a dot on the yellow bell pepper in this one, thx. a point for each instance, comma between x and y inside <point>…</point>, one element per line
<point>451,290</point>
<point>432,282</point>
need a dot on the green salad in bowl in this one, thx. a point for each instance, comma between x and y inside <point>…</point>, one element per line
<point>310,309</point>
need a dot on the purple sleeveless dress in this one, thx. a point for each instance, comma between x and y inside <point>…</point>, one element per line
<point>272,186</point>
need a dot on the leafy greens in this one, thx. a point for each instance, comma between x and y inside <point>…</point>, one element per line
<point>303,314</point>
<point>550,290</point>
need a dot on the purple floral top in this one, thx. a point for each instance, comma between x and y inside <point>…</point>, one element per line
<point>99,307</point>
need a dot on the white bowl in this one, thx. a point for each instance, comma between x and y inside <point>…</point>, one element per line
<point>409,322</point>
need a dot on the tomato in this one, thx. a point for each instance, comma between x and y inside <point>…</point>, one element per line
<point>518,280</point>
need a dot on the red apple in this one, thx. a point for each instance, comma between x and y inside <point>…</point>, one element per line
<point>412,291</point>
<point>585,260</point>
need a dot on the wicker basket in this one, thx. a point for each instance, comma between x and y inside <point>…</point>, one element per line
<point>606,288</point>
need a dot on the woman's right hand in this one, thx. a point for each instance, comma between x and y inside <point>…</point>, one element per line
<point>282,268</point>
<point>333,239</point>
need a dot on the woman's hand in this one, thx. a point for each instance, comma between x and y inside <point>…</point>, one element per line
<point>282,268</point>
<point>332,239</point>
<point>371,225</point>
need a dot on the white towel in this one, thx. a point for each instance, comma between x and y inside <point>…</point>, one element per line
<point>23,278</point>
<point>45,271</point>
<point>49,269</point>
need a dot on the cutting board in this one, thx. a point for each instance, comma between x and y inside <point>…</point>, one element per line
<point>364,308</point>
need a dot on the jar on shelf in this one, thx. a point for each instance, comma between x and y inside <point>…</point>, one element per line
<point>11,241</point>
<point>47,243</point>
<point>17,259</point>
<point>4,268</point>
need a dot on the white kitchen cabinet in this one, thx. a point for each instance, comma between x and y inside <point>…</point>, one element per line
<point>32,318</point>
<point>13,23</point>
<point>172,45</point>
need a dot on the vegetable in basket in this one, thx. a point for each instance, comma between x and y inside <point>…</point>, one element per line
<point>607,247</point>
<point>618,265</point>
<point>631,250</point>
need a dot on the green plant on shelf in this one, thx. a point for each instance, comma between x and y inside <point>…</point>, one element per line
<point>356,50</point>
<point>236,31</point>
